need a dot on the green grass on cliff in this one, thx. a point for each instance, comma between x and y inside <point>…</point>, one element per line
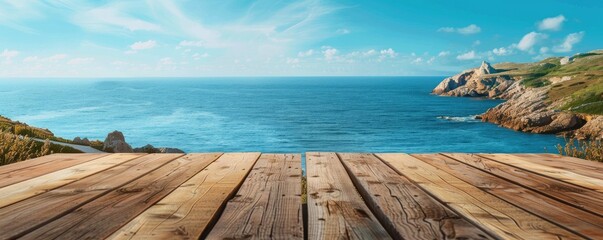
<point>15,148</point>
<point>582,94</point>
<point>23,129</point>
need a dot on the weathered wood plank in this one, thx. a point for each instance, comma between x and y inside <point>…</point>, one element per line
<point>335,209</point>
<point>576,220</point>
<point>26,189</point>
<point>577,196</point>
<point>103,216</point>
<point>187,211</point>
<point>268,204</point>
<point>24,216</point>
<point>494,215</point>
<point>560,174</point>
<point>589,168</point>
<point>50,164</point>
<point>37,161</point>
<point>402,207</point>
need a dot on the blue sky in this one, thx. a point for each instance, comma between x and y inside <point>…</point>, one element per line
<point>165,38</point>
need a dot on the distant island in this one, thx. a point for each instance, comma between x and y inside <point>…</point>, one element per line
<point>558,95</point>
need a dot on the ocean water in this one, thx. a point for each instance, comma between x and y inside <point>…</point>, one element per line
<point>347,114</point>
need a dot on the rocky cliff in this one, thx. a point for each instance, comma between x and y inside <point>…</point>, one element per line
<point>554,96</point>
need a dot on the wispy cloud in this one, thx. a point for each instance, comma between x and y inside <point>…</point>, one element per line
<point>143,45</point>
<point>471,29</point>
<point>569,42</point>
<point>112,17</point>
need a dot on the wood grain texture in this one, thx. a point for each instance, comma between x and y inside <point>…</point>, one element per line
<point>24,216</point>
<point>335,209</point>
<point>103,216</point>
<point>571,194</point>
<point>588,168</point>
<point>268,204</point>
<point>29,188</point>
<point>41,160</point>
<point>406,211</point>
<point>580,222</point>
<point>50,164</point>
<point>187,211</point>
<point>494,215</point>
<point>560,174</point>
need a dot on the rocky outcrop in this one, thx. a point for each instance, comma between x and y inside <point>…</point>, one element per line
<point>116,142</point>
<point>593,129</point>
<point>79,141</point>
<point>478,82</point>
<point>150,149</point>
<point>526,109</point>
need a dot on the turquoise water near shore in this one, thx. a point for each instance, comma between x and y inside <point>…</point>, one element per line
<point>348,114</point>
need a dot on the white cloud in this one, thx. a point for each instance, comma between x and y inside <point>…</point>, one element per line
<point>143,45</point>
<point>166,61</point>
<point>57,57</point>
<point>292,60</point>
<point>417,60</point>
<point>8,54</point>
<point>544,50</point>
<point>330,53</point>
<point>529,40</point>
<point>552,23</point>
<point>471,29</point>
<point>343,31</point>
<point>431,60</point>
<point>31,59</point>
<point>443,53</point>
<point>467,56</point>
<point>77,61</point>
<point>477,43</point>
<point>191,43</point>
<point>388,53</point>
<point>502,51</point>
<point>306,53</point>
<point>198,56</point>
<point>569,42</point>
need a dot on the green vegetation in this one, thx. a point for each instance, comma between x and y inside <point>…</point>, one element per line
<point>16,143</point>
<point>22,129</point>
<point>15,148</point>
<point>304,186</point>
<point>581,89</point>
<point>590,150</point>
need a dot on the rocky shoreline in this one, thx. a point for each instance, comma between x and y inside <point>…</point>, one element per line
<point>526,109</point>
<point>115,142</point>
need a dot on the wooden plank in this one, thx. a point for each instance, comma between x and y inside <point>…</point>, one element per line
<point>577,196</point>
<point>580,166</point>
<point>560,174</point>
<point>187,211</point>
<point>335,209</point>
<point>54,163</point>
<point>580,222</point>
<point>494,215</point>
<point>37,161</point>
<point>268,204</point>
<point>24,216</point>
<point>101,217</point>
<point>29,188</point>
<point>406,211</point>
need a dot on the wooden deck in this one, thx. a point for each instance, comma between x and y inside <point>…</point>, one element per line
<point>349,196</point>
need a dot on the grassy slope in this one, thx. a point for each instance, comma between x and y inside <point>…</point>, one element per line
<point>14,148</point>
<point>582,94</point>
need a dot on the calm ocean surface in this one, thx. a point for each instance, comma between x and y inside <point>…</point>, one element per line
<point>359,114</point>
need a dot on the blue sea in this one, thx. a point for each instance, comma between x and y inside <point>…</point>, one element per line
<point>347,114</point>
